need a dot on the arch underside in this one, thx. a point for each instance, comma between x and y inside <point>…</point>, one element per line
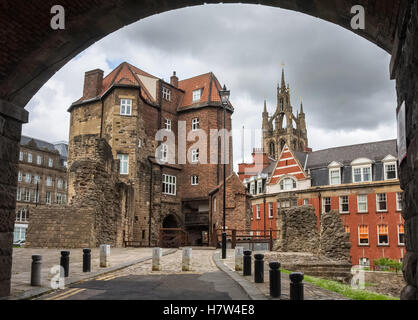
<point>33,52</point>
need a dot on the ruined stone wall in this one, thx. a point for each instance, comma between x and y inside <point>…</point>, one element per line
<point>334,241</point>
<point>404,67</point>
<point>97,191</point>
<point>298,230</point>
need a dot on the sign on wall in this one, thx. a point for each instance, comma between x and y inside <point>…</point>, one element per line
<point>401,133</point>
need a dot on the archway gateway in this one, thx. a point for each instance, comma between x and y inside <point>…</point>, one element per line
<point>31,52</point>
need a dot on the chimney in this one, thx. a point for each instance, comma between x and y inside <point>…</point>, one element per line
<point>174,80</point>
<point>92,83</point>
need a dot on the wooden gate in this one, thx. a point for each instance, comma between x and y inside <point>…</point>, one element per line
<point>172,238</point>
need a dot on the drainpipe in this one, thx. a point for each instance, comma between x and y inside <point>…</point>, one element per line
<point>319,209</point>
<point>150,203</point>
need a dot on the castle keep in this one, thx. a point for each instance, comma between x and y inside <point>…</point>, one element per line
<point>134,116</point>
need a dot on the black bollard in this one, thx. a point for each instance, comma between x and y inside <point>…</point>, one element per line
<point>86,260</point>
<point>35,275</point>
<point>65,262</point>
<point>275,281</point>
<point>247,263</point>
<point>223,245</point>
<point>296,286</point>
<point>259,268</point>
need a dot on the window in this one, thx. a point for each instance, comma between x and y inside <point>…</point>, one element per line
<point>48,197</point>
<point>27,178</point>
<point>344,204</point>
<point>49,181</point>
<point>166,93</point>
<point>196,95</point>
<point>362,174</point>
<point>18,194</point>
<point>36,179</point>
<point>214,204</point>
<point>390,171</point>
<point>195,180</point>
<point>398,201</point>
<point>124,163</point>
<point>30,157</point>
<point>382,234</point>
<point>270,210</point>
<point>326,204</point>
<point>21,156</point>
<point>195,155</point>
<point>362,203</point>
<point>59,198</point>
<point>126,107</point>
<point>305,202</point>
<point>50,162</point>
<point>167,124</point>
<point>19,234</point>
<point>252,188</point>
<point>35,196</point>
<point>19,176</point>
<point>294,202</point>
<point>65,185</point>
<point>259,186</point>
<point>347,229</point>
<point>195,124</point>
<point>381,202</point>
<point>364,262</point>
<point>401,234</point>
<point>363,235</point>
<point>163,152</point>
<point>21,216</point>
<point>64,198</point>
<point>39,160</point>
<point>169,184</point>
<point>27,195</point>
<point>334,176</point>
<point>257,207</point>
<point>287,184</point>
<point>59,183</point>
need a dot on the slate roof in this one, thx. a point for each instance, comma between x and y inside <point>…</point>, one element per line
<point>40,144</point>
<point>375,151</point>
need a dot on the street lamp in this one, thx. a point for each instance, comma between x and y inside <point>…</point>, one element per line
<point>224,95</point>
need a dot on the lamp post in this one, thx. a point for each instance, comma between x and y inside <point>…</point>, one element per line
<point>224,95</point>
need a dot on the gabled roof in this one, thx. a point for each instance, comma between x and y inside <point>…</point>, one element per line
<point>209,85</point>
<point>37,143</point>
<point>287,164</point>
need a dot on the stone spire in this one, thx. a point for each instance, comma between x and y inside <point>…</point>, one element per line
<point>283,85</point>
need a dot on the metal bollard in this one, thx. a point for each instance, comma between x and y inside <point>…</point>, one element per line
<point>35,275</point>
<point>86,260</point>
<point>275,281</point>
<point>296,286</point>
<point>104,255</point>
<point>259,268</point>
<point>247,263</point>
<point>65,262</point>
<point>238,258</point>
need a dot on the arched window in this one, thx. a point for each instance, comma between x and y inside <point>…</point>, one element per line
<point>272,149</point>
<point>287,184</point>
<point>282,143</point>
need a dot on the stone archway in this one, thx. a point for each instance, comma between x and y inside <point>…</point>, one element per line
<point>170,221</point>
<point>33,52</point>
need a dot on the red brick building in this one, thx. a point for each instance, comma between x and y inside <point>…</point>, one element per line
<point>360,182</point>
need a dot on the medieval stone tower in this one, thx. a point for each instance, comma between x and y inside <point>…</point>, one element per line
<point>275,134</point>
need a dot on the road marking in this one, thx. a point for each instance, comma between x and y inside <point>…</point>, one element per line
<point>106,277</point>
<point>61,294</point>
<point>70,294</point>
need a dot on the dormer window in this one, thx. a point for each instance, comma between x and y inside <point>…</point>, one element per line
<point>166,93</point>
<point>390,168</point>
<point>362,170</point>
<point>287,184</point>
<point>196,95</point>
<point>335,173</point>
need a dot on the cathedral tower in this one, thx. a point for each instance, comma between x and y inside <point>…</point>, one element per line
<point>276,133</point>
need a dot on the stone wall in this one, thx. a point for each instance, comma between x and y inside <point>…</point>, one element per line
<point>334,241</point>
<point>96,212</point>
<point>298,230</point>
<point>404,67</point>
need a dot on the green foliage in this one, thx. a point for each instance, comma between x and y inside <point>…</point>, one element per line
<point>386,264</point>
<point>344,289</point>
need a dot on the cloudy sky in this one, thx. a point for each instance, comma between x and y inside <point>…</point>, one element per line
<point>342,78</point>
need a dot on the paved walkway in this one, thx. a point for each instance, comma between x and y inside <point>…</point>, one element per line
<point>139,282</point>
<point>22,260</point>
<point>311,292</point>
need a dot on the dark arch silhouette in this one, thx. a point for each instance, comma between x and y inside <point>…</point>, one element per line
<point>170,221</point>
